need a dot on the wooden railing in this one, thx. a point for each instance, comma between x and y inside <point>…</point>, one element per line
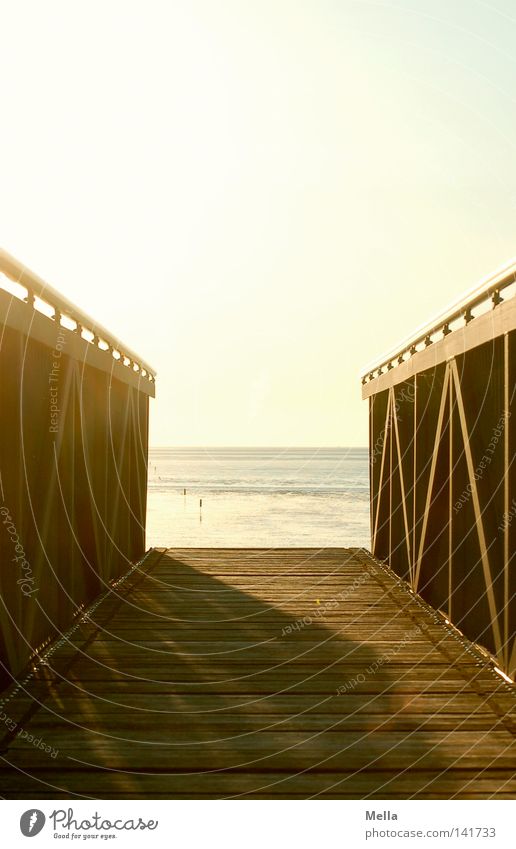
<point>74,406</point>
<point>484,297</point>
<point>442,467</point>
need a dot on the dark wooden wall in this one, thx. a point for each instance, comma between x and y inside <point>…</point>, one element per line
<point>443,489</point>
<point>73,485</point>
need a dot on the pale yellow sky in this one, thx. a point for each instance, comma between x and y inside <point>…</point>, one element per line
<point>259,196</point>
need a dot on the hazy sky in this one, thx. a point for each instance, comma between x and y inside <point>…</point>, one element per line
<point>259,197</point>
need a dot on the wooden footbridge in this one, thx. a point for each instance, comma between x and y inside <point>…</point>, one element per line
<point>283,673</point>
<point>222,673</point>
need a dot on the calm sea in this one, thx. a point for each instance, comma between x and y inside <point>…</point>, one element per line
<point>258,497</point>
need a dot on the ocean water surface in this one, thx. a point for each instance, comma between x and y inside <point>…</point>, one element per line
<point>262,497</point>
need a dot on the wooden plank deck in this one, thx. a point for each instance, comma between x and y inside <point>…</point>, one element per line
<point>283,673</point>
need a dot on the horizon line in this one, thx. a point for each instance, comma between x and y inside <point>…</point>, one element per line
<point>258,447</point>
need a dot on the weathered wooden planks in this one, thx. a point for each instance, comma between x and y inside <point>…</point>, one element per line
<point>285,673</point>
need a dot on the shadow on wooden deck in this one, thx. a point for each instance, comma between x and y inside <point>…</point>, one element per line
<point>288,673</point>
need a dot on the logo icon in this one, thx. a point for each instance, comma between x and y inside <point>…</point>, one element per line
<point>31,822</point>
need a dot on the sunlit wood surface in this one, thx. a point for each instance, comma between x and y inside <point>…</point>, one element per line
<point>261,673</point>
